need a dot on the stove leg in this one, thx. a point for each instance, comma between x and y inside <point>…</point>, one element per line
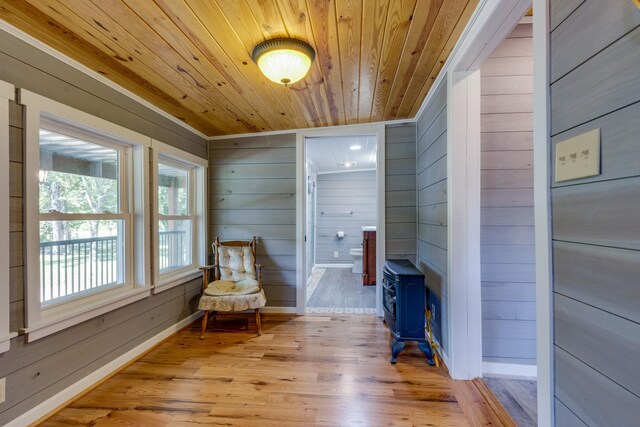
<point>396,348</point>
<point>426,349</point>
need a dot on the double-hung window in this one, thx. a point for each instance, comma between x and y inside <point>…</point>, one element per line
<point>85,202</point>
<point>84,213</point>
<point>179,221</point>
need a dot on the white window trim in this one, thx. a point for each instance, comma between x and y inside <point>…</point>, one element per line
<point>198,202</point>
<point>40,321</point>
<point>6,95</point>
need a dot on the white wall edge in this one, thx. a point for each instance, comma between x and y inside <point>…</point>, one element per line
<point>334,265</point>
<point>542,212</point>
<point>62,398</point>
<point>7,94</point>
<point>511,370</point>
<point>10,29</point>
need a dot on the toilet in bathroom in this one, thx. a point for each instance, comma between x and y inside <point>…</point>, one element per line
<point>356,253</point>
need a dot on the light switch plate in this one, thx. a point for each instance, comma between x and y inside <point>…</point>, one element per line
<point>578,157</point>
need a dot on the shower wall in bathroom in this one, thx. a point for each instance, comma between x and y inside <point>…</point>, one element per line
<point>337,194</point>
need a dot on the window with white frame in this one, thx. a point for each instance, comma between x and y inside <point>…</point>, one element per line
<point>180,236</point>
<point>86,207</point>
<point>6,94</point>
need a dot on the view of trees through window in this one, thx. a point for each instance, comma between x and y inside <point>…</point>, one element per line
<point>81,235</point>
<point>69,193</point>
<point>175,220</point>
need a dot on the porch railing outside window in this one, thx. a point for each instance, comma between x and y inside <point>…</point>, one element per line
<point>72,267</point>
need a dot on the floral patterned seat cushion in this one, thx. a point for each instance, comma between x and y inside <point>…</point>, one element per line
<point>233,302</point>
<point>227,287</point>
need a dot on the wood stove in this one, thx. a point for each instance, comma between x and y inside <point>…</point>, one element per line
<point>404,297</point>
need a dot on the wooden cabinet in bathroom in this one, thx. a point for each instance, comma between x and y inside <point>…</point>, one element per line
<point>368,258</point>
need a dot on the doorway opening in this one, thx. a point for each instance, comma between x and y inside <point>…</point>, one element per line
<point>507,224</point>
<point>340,224</point>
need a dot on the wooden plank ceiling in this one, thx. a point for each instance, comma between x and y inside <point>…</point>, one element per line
<point>376,59</point>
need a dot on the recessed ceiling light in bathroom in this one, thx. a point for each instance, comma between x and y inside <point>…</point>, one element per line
<point>355,147</point>
<point>347,164</point>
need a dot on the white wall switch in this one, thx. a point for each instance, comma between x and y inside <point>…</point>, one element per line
<point>578,157</point>
<point>3,386</point>
<point>336,254</point>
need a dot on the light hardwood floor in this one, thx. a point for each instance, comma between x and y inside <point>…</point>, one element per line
<point>323,370</point>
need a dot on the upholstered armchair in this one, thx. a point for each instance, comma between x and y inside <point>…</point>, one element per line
<point>237,281</point>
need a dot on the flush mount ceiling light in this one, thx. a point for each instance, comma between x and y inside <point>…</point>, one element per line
<point>355,147</point>
<point>347,164</point>
<point>283,60</point>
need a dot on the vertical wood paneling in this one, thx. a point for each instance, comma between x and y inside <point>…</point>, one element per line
<point>349,16</point>
<point>431,169</point>
<point>595,67</point>
<point>38,370</point>
<point>507,232</point>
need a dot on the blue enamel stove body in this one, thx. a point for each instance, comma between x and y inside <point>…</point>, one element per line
<point>404,298</point>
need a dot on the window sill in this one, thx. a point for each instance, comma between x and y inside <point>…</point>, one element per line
<point>64,316</point>
<point>5,341</point>
<point>176,278</point>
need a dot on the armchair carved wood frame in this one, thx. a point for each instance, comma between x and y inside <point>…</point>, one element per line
<point>237,281</point>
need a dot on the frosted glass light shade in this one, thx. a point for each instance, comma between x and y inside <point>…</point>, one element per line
<point>284,61</point>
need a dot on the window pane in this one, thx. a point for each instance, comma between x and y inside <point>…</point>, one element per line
<point>77,257</point>
<point>173,190</point>
<point>77,176</point>
<point>174,244</point>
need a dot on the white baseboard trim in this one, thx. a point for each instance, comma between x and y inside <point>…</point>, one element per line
<point>515,370</point>
<point>334,265</point>
<point>54,402</point>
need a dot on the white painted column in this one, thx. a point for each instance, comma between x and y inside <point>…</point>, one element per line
<point>463,194</point>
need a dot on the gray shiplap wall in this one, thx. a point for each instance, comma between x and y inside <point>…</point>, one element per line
<point>338,193</point>
<point>252,192</point>
<point>595,83</point>
<point>400,191</point>
<point>431,167</point>
<point>38,370</point>
<point>507,227</point>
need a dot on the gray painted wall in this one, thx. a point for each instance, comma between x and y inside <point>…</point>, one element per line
<point>252,192</point>
<point>39,370</point>
<point>400,191</point>
<point>507,226</point>
<point>431,167</point>
<point>338,193</point>
<point>595,83</point>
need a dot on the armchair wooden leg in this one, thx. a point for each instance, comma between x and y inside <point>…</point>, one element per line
<point>205,318</point>
<point>258,323</point>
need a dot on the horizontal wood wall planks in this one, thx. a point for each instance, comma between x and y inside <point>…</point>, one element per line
<point>507,234</point>
<point>375,60</point>
<point>596,256</point>
<point>433,208</point>
<point>253,193</point>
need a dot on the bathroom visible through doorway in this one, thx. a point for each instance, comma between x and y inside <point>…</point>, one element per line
<point>340,224</point>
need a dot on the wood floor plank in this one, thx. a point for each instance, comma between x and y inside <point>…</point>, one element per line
<point>320,370</point>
